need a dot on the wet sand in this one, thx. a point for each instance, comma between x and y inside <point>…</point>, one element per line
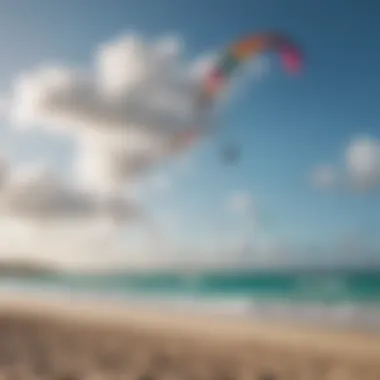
<point>67,340</point>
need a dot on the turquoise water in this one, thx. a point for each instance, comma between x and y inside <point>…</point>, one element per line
<point>348,299</point>
<point>363,286</point>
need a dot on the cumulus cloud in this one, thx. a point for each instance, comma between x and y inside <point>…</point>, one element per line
<point>363,162</point>
<point>45,218</point>
<point>361,171</point>
<point>34,193</point>
<point>133,108</point>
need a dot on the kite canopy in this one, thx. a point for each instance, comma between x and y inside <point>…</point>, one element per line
<point>246,49</point>
<point>218,77</point>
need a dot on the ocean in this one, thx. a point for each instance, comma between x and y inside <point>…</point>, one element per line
<point>343,298</point>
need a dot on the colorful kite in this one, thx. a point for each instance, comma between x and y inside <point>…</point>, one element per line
<point>244,50</point>
<point>217,79</point>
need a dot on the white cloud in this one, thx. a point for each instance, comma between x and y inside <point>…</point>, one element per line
<point>126,113</point>
<point>361,167</point>
<point>79,237</point>
<point>132,109</point>
<point>33,192</point>
<point>363,162</point>
<point>44,218</point>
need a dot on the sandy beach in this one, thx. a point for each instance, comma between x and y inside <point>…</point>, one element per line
<point>52,338</point>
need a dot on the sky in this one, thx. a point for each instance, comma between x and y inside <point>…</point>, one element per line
<point>305,190</point>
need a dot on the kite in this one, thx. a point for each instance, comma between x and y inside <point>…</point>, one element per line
<point>240,52</point>
<point>220,74</point>
<point>232,59</point>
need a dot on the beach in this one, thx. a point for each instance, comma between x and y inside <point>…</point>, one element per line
<point>62,338</point>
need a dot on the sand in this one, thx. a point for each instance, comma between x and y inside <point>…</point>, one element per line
<point>52,338</point>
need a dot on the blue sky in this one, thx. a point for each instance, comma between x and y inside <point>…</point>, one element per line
<point>285,125</point>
